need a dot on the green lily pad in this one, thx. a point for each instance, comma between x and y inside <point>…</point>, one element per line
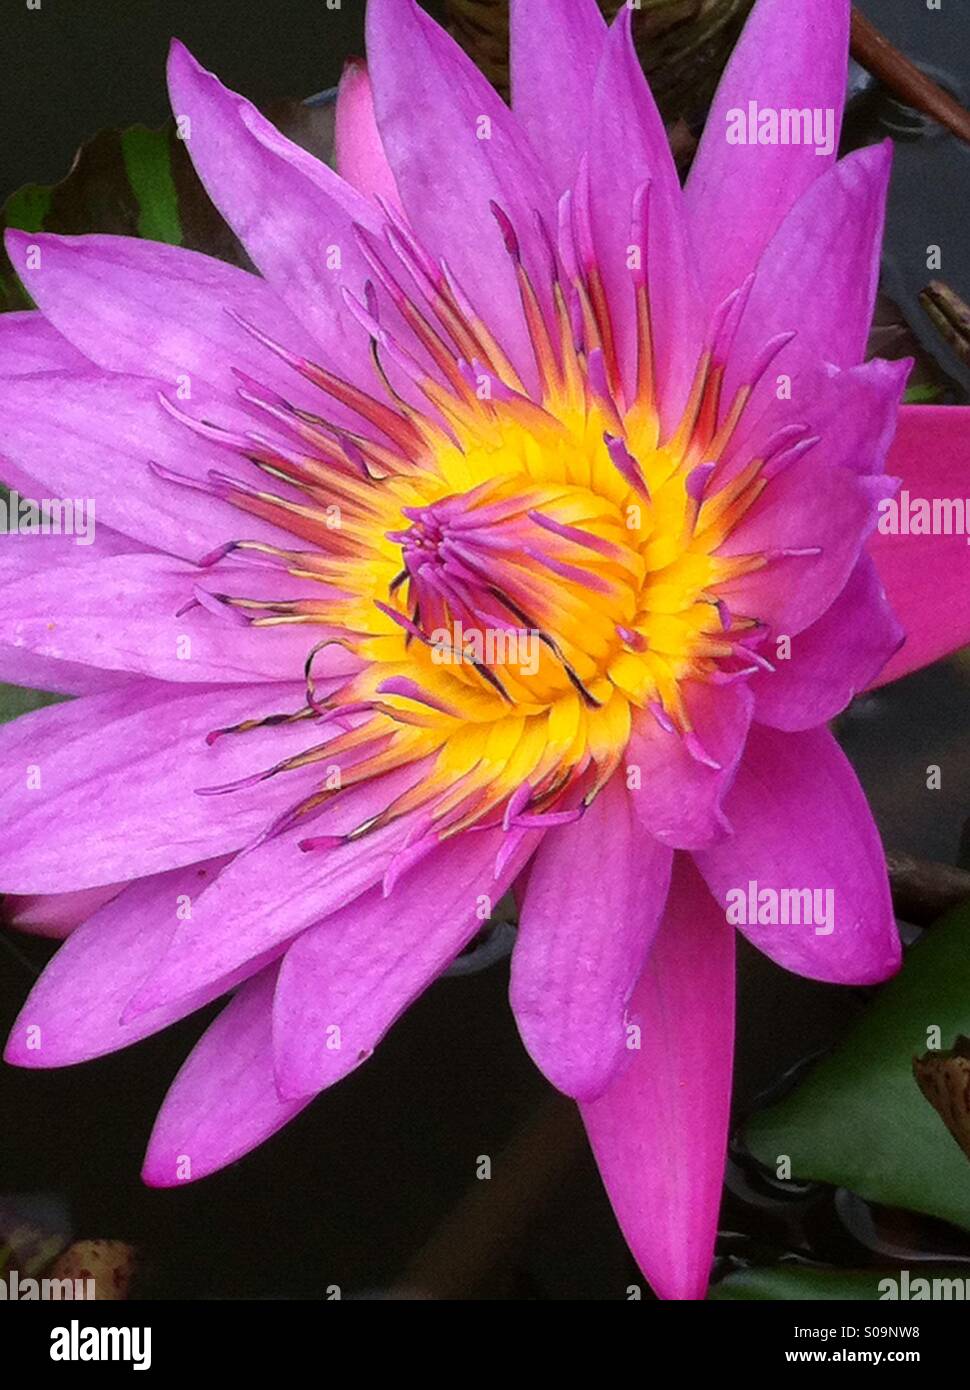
<point>859,1119</point>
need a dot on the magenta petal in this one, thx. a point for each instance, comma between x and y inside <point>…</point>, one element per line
<point>579,954</point>
<point>628,147</point>
<point>359,153</point>
<point>223,1103</point>
<point>56,915</point>
<point>817,277</point>
<point>343,983</point>
<point>105,788</point>
<point>659,1133</point>
<point>77,435</point>
<point>676,796</point>
<point>154,310</point>
<point>852,411</point>
<point>831,661</point>
<point>812,521</point>
<point>793,54</point>
<point>800,821</point>
<point>20,667</point>
<point>123,615</point>
<point>292,213</point>
<point>927,578</point>
<point>455,148</point>
<point>24,558</point>
<point>547,41</point>
<point>74,1011</point>
<point>275,890</point>
<point>28,343</point>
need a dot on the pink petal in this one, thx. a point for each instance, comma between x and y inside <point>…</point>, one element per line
<point>547,41</point>
<point>275,890</point>
<point>56,914</point>
<point>659,1133</point>
<point>223,1101</point>
<point>292,213</point>
<point>23,668</point>
<point>118,775</point>
<point>678,798</point>
<point>123,615</point>
<point>161,311</point>
<point>73,1013</point>
<point>360,157</point>
<point>628,147</point>
<point>817,278</point>
<point>579,953</point>
<point>455,147</point>
<point>831,661</point>
<point>793,55</point>
<point>345,982</point>
<point>801,821</point>
<point>852,411</point>
<point>28,343</point>
<point>77,435</point>
<point>927,578</point>
<point>807,508</point>
<point>23,556</point>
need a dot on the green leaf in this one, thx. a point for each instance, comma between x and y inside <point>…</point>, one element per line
<point>14,701</point>
<point>923,395</point>
<point>780,1282</point>
<point>859,1119</point>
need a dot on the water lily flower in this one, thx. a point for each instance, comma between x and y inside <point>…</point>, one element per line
<point>516,527</point>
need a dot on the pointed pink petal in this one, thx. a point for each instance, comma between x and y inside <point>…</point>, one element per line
<point>927,578</point>
<point>853,411</point>
<point>677,797</point>
<point>547,41</point>
<point>24,558</point>
<point>292,213</point>
<point>154,310</point>
<point>800,821</point>
<point>344,983</point>
<point>24,668</point>
<point>223,1101</point>
<point>659,1133</point>
<point>578,954</point>
<point>831,661</point>
<point>627,147</point>
<point>807,508</point>
<point>73,1013</point>
<point>360,157</point>
<point>817,278</point>
<point>793,55</point>
<point>455,147</point>
<point>76,435</point>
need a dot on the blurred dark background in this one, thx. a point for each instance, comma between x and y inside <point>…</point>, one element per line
<point>374,1187</point>
<point>77,66</point>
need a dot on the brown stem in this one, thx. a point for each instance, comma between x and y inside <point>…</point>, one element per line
<point>874,51</point>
